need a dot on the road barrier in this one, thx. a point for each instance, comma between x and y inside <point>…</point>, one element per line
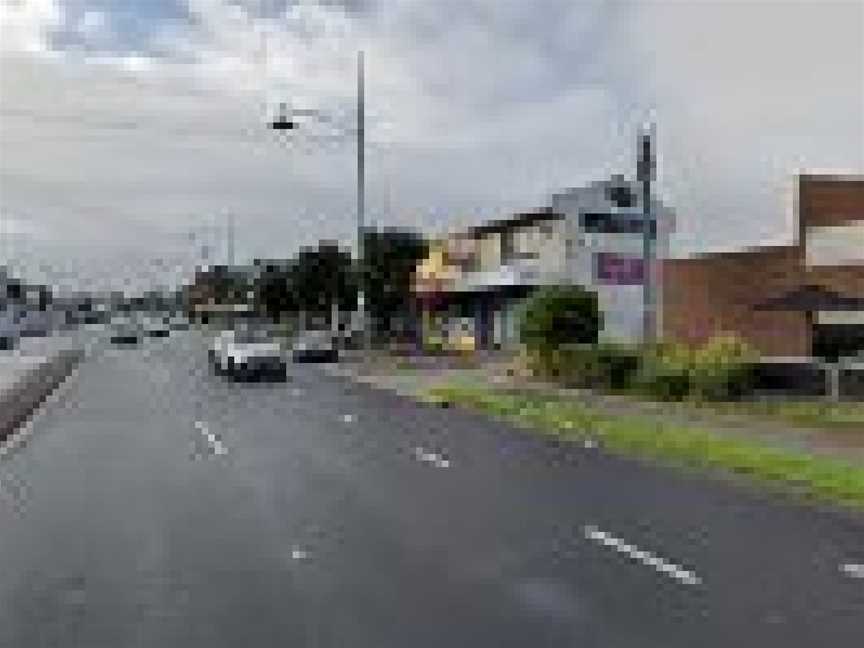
<point>24,395</point>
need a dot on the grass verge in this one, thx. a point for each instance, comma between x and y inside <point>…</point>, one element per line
<point>840,417</point>
<point>826,479</point>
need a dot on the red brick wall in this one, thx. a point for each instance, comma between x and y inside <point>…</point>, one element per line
<point>829,200</point>
<point>716,293</point>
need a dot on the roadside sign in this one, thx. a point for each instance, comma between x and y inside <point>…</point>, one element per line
<point>618,269</point>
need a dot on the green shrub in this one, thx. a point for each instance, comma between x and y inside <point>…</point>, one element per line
<point>605,365</point>
<point>665,371</point>
<point>433,344</point>
<point>556,316</point>
<point>618,364</point>
<point>718,370</point>
<point>577,366</point>
<point>722,368</point>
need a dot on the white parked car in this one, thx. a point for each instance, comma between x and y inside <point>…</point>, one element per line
<point>315,346</point>
<point>248,353</point>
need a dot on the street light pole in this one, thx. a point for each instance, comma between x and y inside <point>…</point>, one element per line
<point>361,193</point>
<point>283,122</point>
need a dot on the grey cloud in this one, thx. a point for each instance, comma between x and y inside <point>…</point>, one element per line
<point>476,109</point>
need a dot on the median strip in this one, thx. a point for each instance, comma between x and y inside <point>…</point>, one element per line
<point>641,556</point>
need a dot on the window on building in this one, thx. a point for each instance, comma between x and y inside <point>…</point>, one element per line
<point>621,196</point>
<point>612,223</point>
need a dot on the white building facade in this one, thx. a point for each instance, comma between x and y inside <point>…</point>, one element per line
<point>590,236</point>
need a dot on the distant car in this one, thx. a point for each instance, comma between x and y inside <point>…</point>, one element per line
<point>315,346</point>
<point>156,328</point>
<point>126,334</point>
<point>248,353</point>
<point>178,323</point>
<point>35,323</point>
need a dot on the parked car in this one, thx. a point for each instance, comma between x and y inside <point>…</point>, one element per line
<point>315,346</point>
<point>126,333</point>
<point>156,327</point>
<point>178,323</point>
<point>248,353</point>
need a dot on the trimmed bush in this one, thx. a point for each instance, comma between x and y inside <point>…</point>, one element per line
<point>722,368</point>
<point>604,366</point>
<point>718,370</point>
<point>619,365</point>
<point>665,371</point>
<point>576,366</point>
<point>557,316</point>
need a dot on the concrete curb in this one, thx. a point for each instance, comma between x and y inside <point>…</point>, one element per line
<point>19,401</point>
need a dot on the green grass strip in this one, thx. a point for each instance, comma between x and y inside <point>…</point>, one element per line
<point>822,478</point>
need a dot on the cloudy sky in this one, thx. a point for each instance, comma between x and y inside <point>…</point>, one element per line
<point>130,129</point>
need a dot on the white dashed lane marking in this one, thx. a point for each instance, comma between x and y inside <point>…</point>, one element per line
<point>639,555</point>
<point>212,440</point>
<point>298,554</point>
<point>853,570</point>
<point>434,458</point>
<point>347,418</point>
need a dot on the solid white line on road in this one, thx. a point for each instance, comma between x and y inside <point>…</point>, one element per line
<point>646,558</point>
<point>853,570</point>
<point>212,439</point>
<point>436,459</point>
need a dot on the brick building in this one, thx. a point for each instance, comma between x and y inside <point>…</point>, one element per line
<point>726,292</point>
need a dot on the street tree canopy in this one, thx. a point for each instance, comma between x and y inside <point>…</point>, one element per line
<point>560,315</point>
<point>390,257</point>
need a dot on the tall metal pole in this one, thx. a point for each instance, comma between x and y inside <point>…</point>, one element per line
<point>645,172</point>
<point>361,192</point>
<point>230,240</point>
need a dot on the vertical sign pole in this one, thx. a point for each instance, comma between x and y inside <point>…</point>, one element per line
<point>645,171</point>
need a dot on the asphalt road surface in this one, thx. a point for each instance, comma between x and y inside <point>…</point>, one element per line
<point>154,504</point>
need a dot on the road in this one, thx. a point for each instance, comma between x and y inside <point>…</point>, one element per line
<point>154,504</point>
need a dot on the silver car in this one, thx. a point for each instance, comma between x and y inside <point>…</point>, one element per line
<point>315,346</point>
<point>248,353</point>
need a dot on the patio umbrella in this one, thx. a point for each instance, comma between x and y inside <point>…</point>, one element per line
<point>811,298</point>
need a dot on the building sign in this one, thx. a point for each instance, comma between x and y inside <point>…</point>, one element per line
<point>835,245</point>
<point>618,269</point>
<point>841,318</point>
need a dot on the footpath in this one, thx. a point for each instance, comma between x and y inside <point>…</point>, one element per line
<point>30,372</point>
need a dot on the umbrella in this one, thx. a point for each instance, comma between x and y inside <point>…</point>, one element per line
<point>810,298</point>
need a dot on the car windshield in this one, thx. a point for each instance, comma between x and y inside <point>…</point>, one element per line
<point>253,336</point>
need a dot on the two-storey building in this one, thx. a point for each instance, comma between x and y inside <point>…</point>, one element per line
<point>474,281</point>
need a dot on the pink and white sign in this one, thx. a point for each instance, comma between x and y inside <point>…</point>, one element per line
<point>618,269</point>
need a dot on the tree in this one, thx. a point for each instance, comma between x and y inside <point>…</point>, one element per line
<point>560,315</point>
<point>313,282</point>
<point>390,257</point>
<point>274,294</point>
<point>322,276</point>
